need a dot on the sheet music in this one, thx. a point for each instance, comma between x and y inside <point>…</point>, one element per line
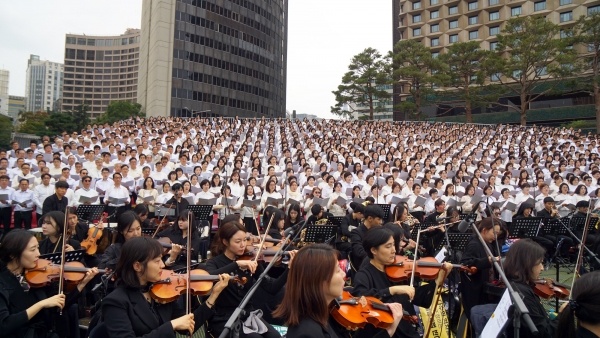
<point>499,317</point>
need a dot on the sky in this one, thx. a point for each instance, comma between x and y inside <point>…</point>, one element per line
<point>323,37</point>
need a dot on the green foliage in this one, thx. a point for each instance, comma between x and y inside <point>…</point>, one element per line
<point>81,117</point>
<point>527,47</point>
<point>366,72</point>
<point>59,122</point>
<point>580,124</point>
<point>7,127</point>
<point>413,65</point>
<point>33,123</point>
<point>587,32</point>
<point>120,110</point>
<point>537,115</point>
<point>466,74</point>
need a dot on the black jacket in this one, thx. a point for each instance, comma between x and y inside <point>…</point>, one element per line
<point>52,203</point>
<point>127,314</point>
<point>47,247</point>
<point>110,257</point>
<point>179,206</point>
<point>358,253</point>
<point>308,328</point>
<point>177,238</point>
<point>539,315</point>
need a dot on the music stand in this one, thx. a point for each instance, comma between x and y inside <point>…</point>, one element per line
<point>90,212</point>
<point>319,233</point>
<point>184,270</point>
<point>415,229</point>
<point>525,227</point>
<point>71,256</point>
<point>149,231</point>
<point>462,216</point>
<point>335,220</point>
<point>386,211</point>
<point>578,223</point>
<point>458,241</point>
<point>201,212</point>
<point>553,227</point>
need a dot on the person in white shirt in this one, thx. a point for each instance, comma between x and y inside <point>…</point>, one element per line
<point>103,184</point>
<point>56,168</point>
<point>563,199</point>
<point>66,174</point>
<point>86,191</point>
<point>295,194</point>
<point>375,194</point>
<point>25,173</point>
<point>205,194</point>
<point>506,215</point>
<point>226,208</point>
<point>270,191</point>
<point>41,192</point>
<point>147,191</point>
<point>248,214</point>
<point>113,194</point>
<point>23,202</point>
<point>127,181</point>
<point>327,189</point>
<point>430,203</point>
<point>5,204</point>
<point>332,205</point>
<point>366,189</point>
<point>237,189</point>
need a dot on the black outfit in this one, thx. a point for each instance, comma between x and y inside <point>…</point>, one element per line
<point>232,295</point>
<point>110,257</point>
<point>127,313</point>
<point>52,203</point>
<point>176,236</point>
<point>567,241</point>
<point>308,328</point>
<point>47,247</point>
<point>342,242</point>
<point>369,281</point>
<point>22,219</point>
<point>543,241</point>
<point>179,207</point>
<point>14,302</point>
<point>5,215</point>
<point>538,314</point>
<point>358,253</point>
<point>432,238</point>
<point>81,231</point>
<point>275,233</point>
<point>591,237</point>
<point>584,333</point>
<point>472,287</point>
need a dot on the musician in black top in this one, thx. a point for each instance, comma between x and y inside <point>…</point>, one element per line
<point>373,218</point>
<point>53,224</point>
<point>177,234</point>
<point>177,202</point>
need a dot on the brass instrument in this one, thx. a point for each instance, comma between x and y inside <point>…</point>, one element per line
<point>322,221</point>
<point>411,221</point>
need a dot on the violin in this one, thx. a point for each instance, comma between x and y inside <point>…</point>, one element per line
<point>168,244</point>
<point>172,285</point>
<point>427,268</point>
<point>94,233</point>
<point>547,288</point>
<point>355,312</point>
<point>46,272</point>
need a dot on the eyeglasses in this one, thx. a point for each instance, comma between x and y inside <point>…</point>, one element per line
<point>87,180</point>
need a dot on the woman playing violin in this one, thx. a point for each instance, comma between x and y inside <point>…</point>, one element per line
<point>371,280</point>
<point>228,244</point>
<point>472,285</point>
<point>315,281</point>
<point>128,227</point>
<point>129,311</point>
<point>585,305</point>
<point>522,267</point>
<point>25,312</point>
<point>177,233</point>
<point>53,224</point>
<point>277,227</point>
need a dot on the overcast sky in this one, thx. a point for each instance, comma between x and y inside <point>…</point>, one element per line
<point>323,37</point>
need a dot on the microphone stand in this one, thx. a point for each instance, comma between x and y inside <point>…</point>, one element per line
<point>520,310</point>
<point>234,320</point>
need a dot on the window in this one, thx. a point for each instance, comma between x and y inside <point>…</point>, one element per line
<point>515,11</point>
<point>435,42</point>
<point>453,24</point>
<point>542,71</point>
<point>91,42</point>
<point>435,55</point>
<point>416,31</point>
<point>539,6</point>
<point>100,43</point>
<point>473,20</point>
<point>516,74</point>
<point>594,9</point>
<point>416,18</point>
<point>493,2</point>
<point>473,35</point>
<point>434,2</point>
<point>495,77</point>
<point>416,5</point>
<point>71,40</point>
<point>563,34</point>
<point>109,43</point>
<point>493,45</point>
<point>495,30</point>
<point>453,38</point>
<point>435,14</point>
<point>566,16</point>
<point>472,5</point>
<point>435,28</point>
<point>81,41</point>
<point>565,2</point>
<point>591,47</point>
<point>494,16</point>
<point>453,10</point>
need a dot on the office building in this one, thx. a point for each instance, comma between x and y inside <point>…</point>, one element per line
<point>382,110</point>
<point>16,105</point>
<point>438,24</point>
<point>43,84</point>
<point>213,58</point>
<point>4,75</point>
<point>100,69</point>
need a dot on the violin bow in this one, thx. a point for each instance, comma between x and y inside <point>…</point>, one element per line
<point>159,223</point>
<point>262,241</point>
<point>581,248</point>
<point>412,275</point>
<point>437,298</point>
<point>188,296</point>
<point>61,283</point>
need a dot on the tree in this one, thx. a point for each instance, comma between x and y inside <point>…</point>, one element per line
<point>59,122</point>
<point>7,128</point>
<point>531,62</point>
<point>120,110</point>
<point>361,85</point>
<point>81,116</point>
<point>33,123</point>
<point>466,74</point>
<point>588,34</point>
<point>415,66</point>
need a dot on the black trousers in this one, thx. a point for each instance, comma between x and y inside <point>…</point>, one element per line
<point>23,219</point>
<point>5,214</point>
<point>250,224</point>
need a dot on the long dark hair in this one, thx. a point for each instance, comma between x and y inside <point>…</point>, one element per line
<point>520,260</point>
<point>375,237</point>
<point>124,222</point>
<point>585,305</point>
<point>139,249</point>
<point>226,231</point>
<point>13,245</point>
<point>288,219</point>
<point>59,219</point>
<point>184,216</point>
<point>304,293</point>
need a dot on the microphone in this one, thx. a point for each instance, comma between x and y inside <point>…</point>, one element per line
<point>465,223</point>
<point>292,230</point>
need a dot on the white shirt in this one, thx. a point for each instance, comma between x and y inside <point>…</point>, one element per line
<point>91,193</point>
<point>8,191</point>
<point>40,193</point>
<point>114,192</point>
<point>22,196</point>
